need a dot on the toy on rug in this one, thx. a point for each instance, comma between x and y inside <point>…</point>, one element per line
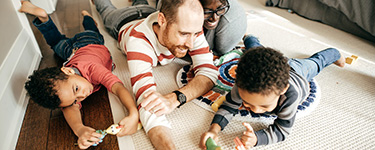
<point>215,106</point>
<point>227,65</point>
<point>351,60</point>
<point>211,145</point>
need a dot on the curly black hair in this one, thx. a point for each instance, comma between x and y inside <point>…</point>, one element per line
<point>41,86</point>
<point>262,70</point>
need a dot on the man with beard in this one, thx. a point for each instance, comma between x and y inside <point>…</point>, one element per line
<point>149,37</point>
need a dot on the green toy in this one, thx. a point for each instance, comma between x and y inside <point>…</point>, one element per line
<point>211,145</point>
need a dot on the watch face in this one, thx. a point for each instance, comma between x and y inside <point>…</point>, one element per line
<point>181,97</point>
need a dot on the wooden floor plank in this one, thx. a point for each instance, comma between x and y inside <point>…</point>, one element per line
<point>34,131</point>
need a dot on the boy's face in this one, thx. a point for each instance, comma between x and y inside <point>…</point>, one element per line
<point>257,102</point>
<point>72,90</point>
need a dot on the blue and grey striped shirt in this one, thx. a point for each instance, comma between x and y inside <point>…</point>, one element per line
<point>285,110</point>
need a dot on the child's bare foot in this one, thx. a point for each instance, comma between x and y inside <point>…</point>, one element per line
<point>85,13</point>
<point>28,7</point>
<point>340,62</point>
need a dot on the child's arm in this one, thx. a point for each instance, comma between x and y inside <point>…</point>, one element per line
<point>86,135</point>
<point>282,125</point>
<point>212,132</point>
<point>130,122</point>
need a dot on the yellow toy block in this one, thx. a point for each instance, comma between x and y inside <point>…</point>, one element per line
<point>351,60</point>
<point>215,106</point>
<point>355,57</point>
<point>139,126</point>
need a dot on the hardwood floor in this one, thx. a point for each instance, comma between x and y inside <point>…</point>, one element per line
<point>47,129</point>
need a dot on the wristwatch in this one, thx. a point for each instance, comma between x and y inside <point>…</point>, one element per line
<point>180,97</point>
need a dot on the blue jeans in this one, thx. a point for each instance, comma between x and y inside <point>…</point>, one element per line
<point>114,18</point>
<point>62,45</point>
<point>306,67</point>
<point>310,67</point>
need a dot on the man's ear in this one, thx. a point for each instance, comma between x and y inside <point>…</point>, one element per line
<point>68,70</point>
<point>285,89</point>
<point>161,19</point>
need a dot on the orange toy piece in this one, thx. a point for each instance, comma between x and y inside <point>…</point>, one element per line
<point>239,144</point>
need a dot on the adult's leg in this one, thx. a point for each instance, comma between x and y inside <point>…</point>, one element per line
<point>310,67</point>
<point>139,2</point>
<point>113,17</point>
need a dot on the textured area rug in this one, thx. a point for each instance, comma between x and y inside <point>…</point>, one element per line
<point>344,118</point>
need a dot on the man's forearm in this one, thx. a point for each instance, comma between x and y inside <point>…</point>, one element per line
<point>198,86</point>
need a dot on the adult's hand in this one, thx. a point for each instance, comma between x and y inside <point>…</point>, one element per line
<point>159,104</point>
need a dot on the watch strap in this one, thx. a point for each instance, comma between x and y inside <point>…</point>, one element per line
<point>180,97</point>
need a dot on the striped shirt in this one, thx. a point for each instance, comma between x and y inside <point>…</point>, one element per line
<point>141,45</point>
<point>285,110</point>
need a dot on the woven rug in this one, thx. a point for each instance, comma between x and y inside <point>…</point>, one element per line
<point>344,118</point>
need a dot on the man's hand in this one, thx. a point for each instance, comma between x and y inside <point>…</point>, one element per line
<point>158,104</point>
<point>130,125</point>
<point>249,139</point>
<point>87,137</point>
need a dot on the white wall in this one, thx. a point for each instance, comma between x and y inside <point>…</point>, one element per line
<point>19,56</point>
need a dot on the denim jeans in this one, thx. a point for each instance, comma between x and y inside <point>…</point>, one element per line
<point>113,18</point>
<point>306,67</point>
<point>62,45</point>
<point>310,67</point>
<point>250,42</point>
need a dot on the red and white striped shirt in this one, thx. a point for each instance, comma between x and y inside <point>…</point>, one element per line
<point>139,42</point>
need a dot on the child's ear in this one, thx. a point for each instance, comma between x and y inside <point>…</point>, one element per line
<point>285,89</point>
<point>68,70</point>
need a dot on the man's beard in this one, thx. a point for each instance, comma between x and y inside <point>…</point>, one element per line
<point>171,47</point>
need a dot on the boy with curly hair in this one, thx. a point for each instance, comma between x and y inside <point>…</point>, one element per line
<point>88,66</point>
<point>269,83</point>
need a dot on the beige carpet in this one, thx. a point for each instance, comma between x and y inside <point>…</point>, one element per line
<point>344,118</point>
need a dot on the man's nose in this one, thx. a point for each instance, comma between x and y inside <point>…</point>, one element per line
<point>190,42</point>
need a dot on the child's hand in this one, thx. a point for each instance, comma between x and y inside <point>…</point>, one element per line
<point>130,125</point>
<point>87,137</point>
<point>249,139</point>
<point>205,136</point>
